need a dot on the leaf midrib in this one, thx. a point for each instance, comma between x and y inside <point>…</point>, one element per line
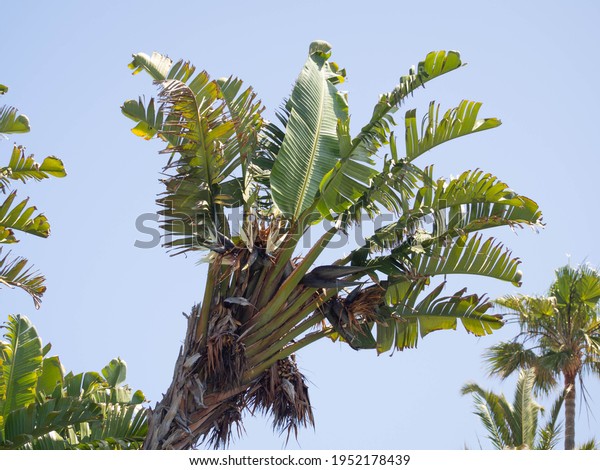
<point>303,189</point>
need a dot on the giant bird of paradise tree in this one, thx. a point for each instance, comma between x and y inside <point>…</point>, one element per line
<point>265,298</point>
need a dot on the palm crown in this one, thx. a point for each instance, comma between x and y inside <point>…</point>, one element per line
<point>560,336</point>
<point>262,300</point>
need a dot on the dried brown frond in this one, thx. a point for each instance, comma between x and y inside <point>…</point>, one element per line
<point>225,361</point>
<point>228,418</point>
<point>282,391</point>
<point>363,307</point>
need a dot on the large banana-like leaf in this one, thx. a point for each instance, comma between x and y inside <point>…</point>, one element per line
<point>468,255</point>
<point>149,120</point>
<point>392,189</point>
<point>376,132</point>
<point>411,316</point>
<point>23,425</point>
<point>49,441</point>
<point>11,122</point>
<point>310,148</point>
<point>349,180</point>
<point>22,167</point>
<point>122,427</point>
<point>213,127</point>
<point>470,202</point>
<point>21,217</point>
<point>20,364</point>
<point>51,376</point>
<point>245,112</point>
<point>16,273</point>
<point>157,65</point>
<point>455,123</point>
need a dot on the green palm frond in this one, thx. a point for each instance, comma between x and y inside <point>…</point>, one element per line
<point>211,127</point>
<point>15,273</point>
<point>549,435</point>
<point>524,421</point>
<point>591,444</point>
<point>49,441</point>
<point>391,189</point>
<point>489,407</point>
<point>149,120</point>
<point>310,148</point>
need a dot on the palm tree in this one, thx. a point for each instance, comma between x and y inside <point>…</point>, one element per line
<point>515,426</point>
<point>560,336</point>
<point>264,298</point>
<point>43,408</point>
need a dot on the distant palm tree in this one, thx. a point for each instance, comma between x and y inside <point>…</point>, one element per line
<point>264,299</point>
<point>560,336</point>
<point>515,426</point>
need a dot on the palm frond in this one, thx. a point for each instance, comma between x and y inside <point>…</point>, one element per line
<point>489,408</point>
<point>525,410</point>
<point>348,180</point>
<point>549,435</point>
<point>468,255</point>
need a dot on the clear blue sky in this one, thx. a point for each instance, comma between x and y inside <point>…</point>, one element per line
<point>533,64</point>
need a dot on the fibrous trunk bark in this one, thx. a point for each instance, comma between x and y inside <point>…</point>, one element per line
<point>570,411</point>
<point>186,412</point>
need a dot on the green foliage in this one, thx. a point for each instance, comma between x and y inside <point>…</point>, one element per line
<point>560,335</point>
<point>263,296</point>
<point>515,425</point>
<point>20,216</point>
<point>41,407</point>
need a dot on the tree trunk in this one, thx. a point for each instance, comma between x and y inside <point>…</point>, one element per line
<point>570,411</point>
<point>188,410</point>
<point>230,361</point>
